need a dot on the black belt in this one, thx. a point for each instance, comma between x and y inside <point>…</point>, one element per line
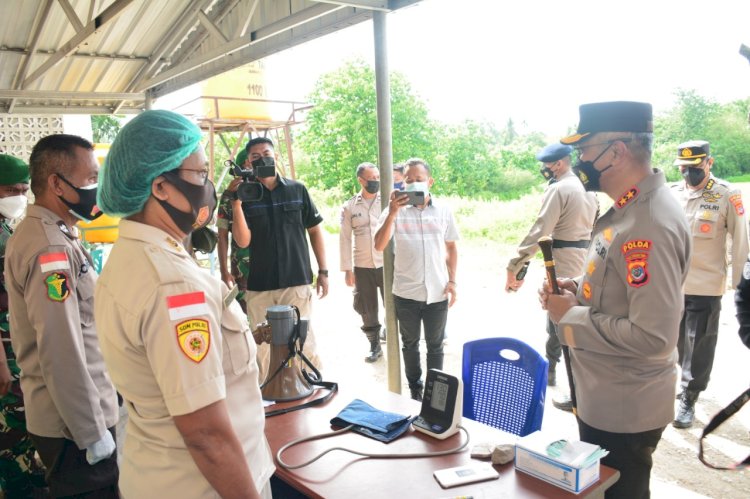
<point>558,243</point>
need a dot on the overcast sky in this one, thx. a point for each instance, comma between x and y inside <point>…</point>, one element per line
<point>536,61</point>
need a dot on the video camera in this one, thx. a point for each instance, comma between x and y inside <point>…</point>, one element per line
<point>250,189</point>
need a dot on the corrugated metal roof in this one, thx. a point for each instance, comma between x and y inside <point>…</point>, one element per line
<point>104,56</point>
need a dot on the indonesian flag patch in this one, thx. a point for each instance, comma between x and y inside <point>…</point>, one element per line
<point>187,305</point>
<point>53,261</point>
<point>194,338</point>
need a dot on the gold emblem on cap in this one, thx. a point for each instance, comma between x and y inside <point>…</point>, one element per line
<point>686,152</point>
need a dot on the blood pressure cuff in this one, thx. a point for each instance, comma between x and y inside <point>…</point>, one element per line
<point>371,422</point>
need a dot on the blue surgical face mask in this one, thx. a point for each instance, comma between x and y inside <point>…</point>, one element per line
<point>418,186</point>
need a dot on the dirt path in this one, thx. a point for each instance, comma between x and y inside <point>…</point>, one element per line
<point>484,310</point>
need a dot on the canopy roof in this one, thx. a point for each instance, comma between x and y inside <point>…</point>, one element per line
<point>111,56</point>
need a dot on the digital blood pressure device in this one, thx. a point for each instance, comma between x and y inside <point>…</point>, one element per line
<point>442,405</point>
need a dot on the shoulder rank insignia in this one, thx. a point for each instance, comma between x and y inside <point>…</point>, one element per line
<point>194,338</point>
<point>57,286</point>
<point>636,259</point>
<point>626,198</point>
<point>64,229</point>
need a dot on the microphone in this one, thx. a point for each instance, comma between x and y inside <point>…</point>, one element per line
<point>545,244</point>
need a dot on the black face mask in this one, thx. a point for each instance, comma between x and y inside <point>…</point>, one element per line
<point>547,173</point>
<point>588,174</point>
<point>85,208</point>
<point>372,186</point>
<point>694,176</point>
<point>202,199</point>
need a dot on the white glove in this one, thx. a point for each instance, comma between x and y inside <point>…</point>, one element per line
<point>100,450</point>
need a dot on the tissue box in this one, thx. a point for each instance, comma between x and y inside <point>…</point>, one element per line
<point>532,458</point>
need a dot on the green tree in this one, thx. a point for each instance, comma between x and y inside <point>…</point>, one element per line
<point>105,127</point>
<point>342,126</point>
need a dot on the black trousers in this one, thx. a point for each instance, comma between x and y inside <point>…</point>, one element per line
<point>411,315</point>
<point>630,454</point>
<point>552,347</point>
<point>699,330</point>
<point>367,282</point>
<point>69,475</point>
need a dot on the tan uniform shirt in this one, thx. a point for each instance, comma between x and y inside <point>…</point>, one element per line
<point>360,217</point>
<point>174,343</point>
<point>622,335</point>
<point>567,214</point>
<point>50,282</point>
<point>713,213</point>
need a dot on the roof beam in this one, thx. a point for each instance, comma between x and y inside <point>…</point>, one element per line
<point>64,109</point>
<point>185,22</point>
<point>272,29</point>
<point>211,27</point>
<point>90,29</point>
<point>72,16</point>
<point>82,55</point>
<point>201,34</point>
<point>51,95</point>
<point>381,5</point>
<point>242,28</point>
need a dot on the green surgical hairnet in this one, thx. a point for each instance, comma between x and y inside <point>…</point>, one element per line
<point>241,158</point>
<point>152,143</point>
<point>13,170</point>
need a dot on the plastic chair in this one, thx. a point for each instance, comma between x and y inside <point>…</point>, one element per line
<point>504,384</point>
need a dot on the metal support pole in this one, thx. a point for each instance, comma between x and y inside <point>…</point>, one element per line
<point>385,161</point>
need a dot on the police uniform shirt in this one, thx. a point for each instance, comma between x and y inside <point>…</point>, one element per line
<point>622,335</point>
<point>50,283</point>
<point>279,255</point>
<point>713,213</point>
<point>567,214</point>
<point>359,216</point>
<point>420,271</point>
<point>175,342</point>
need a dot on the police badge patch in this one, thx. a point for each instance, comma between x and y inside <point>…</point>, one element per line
<point>194,338</point>
<point>636,259</point>
<point>57,286</point>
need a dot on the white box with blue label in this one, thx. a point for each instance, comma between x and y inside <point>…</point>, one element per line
<point>571,465</point>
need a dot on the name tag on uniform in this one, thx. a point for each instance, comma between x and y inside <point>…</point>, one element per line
<point>229,297</point>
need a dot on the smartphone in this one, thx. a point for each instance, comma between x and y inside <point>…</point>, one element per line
<point>416,198</point>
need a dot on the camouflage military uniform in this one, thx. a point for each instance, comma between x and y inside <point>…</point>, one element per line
<point>20,470</point>
<point>239,259</point>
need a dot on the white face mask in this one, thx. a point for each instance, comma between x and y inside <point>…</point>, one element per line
<point>418,186</point>
<point>13,207</point>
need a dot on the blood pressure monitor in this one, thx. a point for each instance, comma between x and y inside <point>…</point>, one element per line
<point>442,405</point>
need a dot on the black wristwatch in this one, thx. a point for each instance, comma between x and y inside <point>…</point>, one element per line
<point>323,272</point>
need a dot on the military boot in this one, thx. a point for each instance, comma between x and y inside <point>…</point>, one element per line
<point>686,412</point>
<point>375,351</point>
<point>551,375</point>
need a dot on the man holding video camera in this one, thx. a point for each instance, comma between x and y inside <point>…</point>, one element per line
<point>424,276</point>
<point>274,229</point>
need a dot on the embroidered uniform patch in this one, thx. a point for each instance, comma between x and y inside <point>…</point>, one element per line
<point>627,197</point>
<point>586,291</point>
<point>746,271</point>
<point>187,305</point>
<point>636,259</point>
<point>736,201</point>
<point>57,286</point>
<point>194,338</point>
<point>54,261</point>
<point>202,217</point>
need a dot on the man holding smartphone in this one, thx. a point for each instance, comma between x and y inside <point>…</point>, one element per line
<point>567,214</point>
<point>424,276</point>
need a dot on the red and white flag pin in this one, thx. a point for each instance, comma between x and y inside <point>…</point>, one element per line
<point>187,305</point>
<point>54,261</point>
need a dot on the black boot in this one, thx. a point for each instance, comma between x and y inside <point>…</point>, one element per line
<point>375,351</point>
<point>686,412</point>
<point>416,392</point>
<point>551,375</point>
